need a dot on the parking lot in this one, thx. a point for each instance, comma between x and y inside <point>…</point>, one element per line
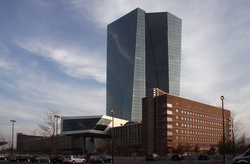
<point>172,162</point>
<point>213,159</point>
<point>148,162</point>
<point>140,161</point>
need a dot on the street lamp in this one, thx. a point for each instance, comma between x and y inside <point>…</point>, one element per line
<point>57,117</point>
<point>112,139</point>
<point>222,99</point>
<point>13,121</point>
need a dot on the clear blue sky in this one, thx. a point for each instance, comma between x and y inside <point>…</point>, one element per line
<point>53,54</point>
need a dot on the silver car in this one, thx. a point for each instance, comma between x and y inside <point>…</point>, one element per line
<point>74,159</point>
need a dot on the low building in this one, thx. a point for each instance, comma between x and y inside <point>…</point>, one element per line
<point>22,138</point>
<point>128,139</point>
<point>170,121</point>
<point>76,134</point>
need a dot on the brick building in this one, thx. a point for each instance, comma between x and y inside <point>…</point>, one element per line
<point>171,121</point>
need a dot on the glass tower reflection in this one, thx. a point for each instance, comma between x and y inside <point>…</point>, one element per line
<point>143,52</point>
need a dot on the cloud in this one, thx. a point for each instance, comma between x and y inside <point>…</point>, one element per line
<point>76,62</point>
<point>215,56</point>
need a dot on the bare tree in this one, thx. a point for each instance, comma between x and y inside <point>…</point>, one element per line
<point>2,142</point>
<point>49,126</point>
<point>196,149</point>
<point>34,132</point>
<point>237,131</point>
<point>242,143</point>
<point>187,148</point>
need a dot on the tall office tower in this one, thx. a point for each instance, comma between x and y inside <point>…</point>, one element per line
<point>143,52</point>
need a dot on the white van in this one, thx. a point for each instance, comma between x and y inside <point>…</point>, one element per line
<point>243,158</point>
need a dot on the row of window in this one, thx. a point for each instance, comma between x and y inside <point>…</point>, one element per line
<point>193,145</point>
<point>199,121</point>
<point>198,127</point>
<point>199,115</point>
<point>198,139</point>
<point>198,133</point>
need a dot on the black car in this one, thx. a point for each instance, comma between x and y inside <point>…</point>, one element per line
<point>203,157</point>
<point>34,159</point>
<point>106,158</point>
<point>39,159</point>
<point>19,159</point>
<point>57,159</point>
<point>94,159</point>
<point>152,157</point>
<point>177,157</point>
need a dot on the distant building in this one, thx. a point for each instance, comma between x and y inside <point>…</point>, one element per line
<point>171,121</point>
<point>90,127</point>
<point>76,132</point>
<point>143,52</point>
<point>22,138</point>
<point>128,139</point>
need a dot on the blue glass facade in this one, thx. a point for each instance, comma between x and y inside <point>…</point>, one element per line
<point>163,52</point>
<point>85,124</point>
<point>142,50</point>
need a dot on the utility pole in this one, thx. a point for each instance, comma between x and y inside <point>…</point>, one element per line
<point>13,121</point>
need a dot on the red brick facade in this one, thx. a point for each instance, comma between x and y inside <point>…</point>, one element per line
<point>170,120</point>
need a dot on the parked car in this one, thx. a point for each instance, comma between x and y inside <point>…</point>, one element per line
<point>203,157</point>
<point>74,159</point>
<point>57,159</point>
<point>3,157</point>
<point>34,159</point>
<point>19,159</point>
<point>39,159</point>
<point>94,159</point>
<point>44,159</point>
<point>243,158</point>
<point>177,157</point>
<point>106,158</point>
<point>152,157</point>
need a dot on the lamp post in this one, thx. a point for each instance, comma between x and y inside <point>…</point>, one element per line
<point>222,100</point>
<point>13,121</point>
<point>57,117</point>
<point>112,136</point>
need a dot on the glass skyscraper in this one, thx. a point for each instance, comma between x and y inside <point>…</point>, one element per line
<point>143,52</point>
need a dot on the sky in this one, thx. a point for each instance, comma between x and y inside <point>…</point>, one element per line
<point>53,55</point>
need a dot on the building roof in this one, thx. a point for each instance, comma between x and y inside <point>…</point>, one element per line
<point>89,126</point>
<point>3,143</point>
